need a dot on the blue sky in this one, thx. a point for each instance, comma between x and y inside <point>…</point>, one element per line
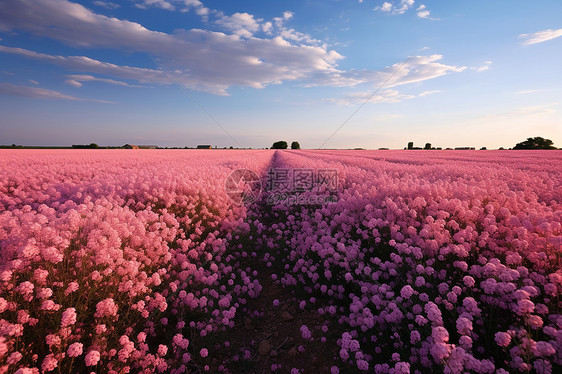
<point>248,73</point>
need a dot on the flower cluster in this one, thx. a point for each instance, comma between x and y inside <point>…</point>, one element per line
<point>445,261</point>
<point>107,258</point>
<point>125,261</point>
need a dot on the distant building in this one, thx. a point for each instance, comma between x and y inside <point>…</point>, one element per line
<point>130,146</point>
<point>204,146</point>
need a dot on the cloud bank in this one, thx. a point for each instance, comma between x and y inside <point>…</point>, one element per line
<point>248,51</point>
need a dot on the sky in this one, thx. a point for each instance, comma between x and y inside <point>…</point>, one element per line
<point>325,73</point>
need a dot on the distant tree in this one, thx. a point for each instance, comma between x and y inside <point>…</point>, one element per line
<point>281,144</point>
<point>410,145</point>
<point>231,147</point>
<point>295,145</point>
<point>483,148</point>
<point>427,146</point>
<point>85,146</point>
<point>535,143</point>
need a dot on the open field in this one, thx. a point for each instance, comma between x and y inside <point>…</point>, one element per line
<point>338,262</point>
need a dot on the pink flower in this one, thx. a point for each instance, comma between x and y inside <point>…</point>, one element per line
<point>26,371</point>
<point>402,368</point>
<point>502,339</point>
<point>362,365</point>
<point>92,358</point>
<point>100,329</point>
<point>72,287</point>
<point>49,363</point>
<point>68,317</point>
<point>306,334</point>
<point>75,349</point>
<point>464,325</point>
<point>49,305</point>
<point>14,358</point>
<point>204,352</point>
<point>106,308</point>
<point>544,349</point>
<point>406,292</point>
<point>53,340</point>
<point>162,350</point>
<point>525,306</point>
<point>433,312</point>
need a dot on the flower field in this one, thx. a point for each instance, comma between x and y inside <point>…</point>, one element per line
<point>139,261</point>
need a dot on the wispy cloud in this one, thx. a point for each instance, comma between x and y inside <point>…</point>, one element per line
<point>483,67</point>
<point>106,4</point>
<point>540,36</point>
<point>76,81</point>
<point>385,96</point>
<point>526,112</point>
<point>41,93</point>
<point>427,93</point>
<point>416,69</point>
<point>163,4</point>
<point>526,92</point>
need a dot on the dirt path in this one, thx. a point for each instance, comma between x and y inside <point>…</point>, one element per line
<point>267,334</point>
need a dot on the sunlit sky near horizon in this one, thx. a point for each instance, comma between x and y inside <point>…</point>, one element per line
<point>247,73</point>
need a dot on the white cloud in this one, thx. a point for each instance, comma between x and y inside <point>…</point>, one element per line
<point>200,9</point>
<point>267,27</point>
<point>163,4</point>
<point>415,69</point>
<point>76,80</point>
<point>106,4</point>
<point>41,93</point>
<point>241,24</point>
<point>481,68</point>
<point>386,96</point>
<point>33,81</point>
<point>386,7</point>
<point>73,83</point>
<point>82,63</point>
<point>426,93</point>
<point>402,6</point>
<point>397,8</point>
<point>540,36</point>
<point>422,12</point>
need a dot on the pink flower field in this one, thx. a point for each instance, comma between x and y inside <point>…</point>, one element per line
<point>130,261</point>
